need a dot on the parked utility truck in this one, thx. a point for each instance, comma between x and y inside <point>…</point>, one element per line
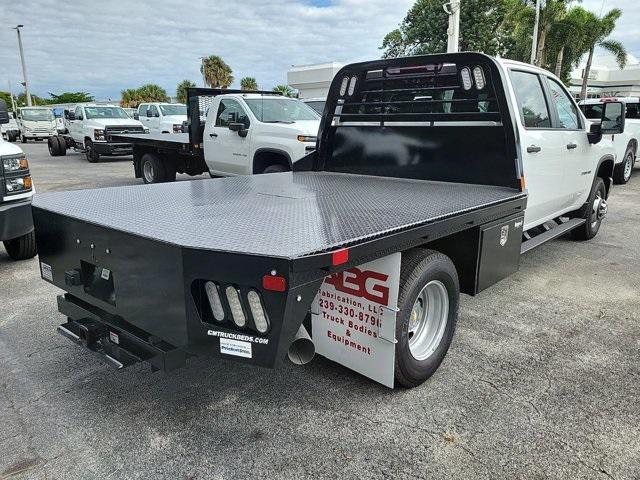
<point>16,190</point>
<point>36,123</point>
<point>429,173</point>
<point>90,129</point>
<point>162,117</point>
<point>229,132</point>
<point>625,145</point>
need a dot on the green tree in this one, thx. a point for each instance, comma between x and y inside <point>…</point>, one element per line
<point>595,35</point>
<point>130,98</point>
<point>153,93</point>
<point>181,90</point>
<point>70,97</point>
<point>424,29</point>
<point>285,90</point>
<point>248,83</point>
<point>216,73</point>
<point>7,98</point>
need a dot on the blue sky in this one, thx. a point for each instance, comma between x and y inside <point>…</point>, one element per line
<point>104,47</point>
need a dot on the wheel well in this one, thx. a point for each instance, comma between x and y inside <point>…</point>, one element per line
<point>266,158</point>
<point>605,171</point>
<point>633,143</point>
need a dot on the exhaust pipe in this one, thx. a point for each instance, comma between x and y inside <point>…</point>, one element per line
<point>302,349</point>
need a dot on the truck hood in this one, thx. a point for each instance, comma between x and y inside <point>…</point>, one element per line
<point>104,122</point>
<point>174,119</point>
<point>33,124</point>
<point>7,148</point>
<point>301,127</point>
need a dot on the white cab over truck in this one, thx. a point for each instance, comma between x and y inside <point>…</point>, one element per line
<point>16,190</point>
<point>626,144</point>
<point>229,132</point>
<point>162,117</point>
<point>90,129</point>
<point>36,123</point>
<point>431,176</point>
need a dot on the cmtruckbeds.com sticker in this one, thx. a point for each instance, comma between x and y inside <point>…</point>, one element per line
<point>238,336</point>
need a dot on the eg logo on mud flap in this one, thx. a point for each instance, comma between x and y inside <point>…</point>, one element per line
<point>364,284</point>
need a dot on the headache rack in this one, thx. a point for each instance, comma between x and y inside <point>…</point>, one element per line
<point>199,101</point>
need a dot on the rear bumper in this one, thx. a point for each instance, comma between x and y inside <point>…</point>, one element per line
<point>15,219</point>
<point>114,149</point>
<point>40,135</point>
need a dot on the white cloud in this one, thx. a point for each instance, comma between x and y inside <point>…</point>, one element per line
<point>104,47</point>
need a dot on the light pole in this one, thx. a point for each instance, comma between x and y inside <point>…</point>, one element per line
<point>452,7</point>
<point>24,66</point>
<point>534,40</point>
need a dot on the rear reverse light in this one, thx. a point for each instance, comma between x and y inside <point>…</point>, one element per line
<point>257,311</point>
<point>236,307</point>
<point>213,294</point>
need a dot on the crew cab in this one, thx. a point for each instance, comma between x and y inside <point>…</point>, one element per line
<point>626,144</point>
<point>90,128</point>
<point>431,176</point>
<point>229,132</point>
<point>35,123</point>
<point>162,117</point>
<point>16,190</point>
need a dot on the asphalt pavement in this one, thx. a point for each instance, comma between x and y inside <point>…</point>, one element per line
<point>542,381</point>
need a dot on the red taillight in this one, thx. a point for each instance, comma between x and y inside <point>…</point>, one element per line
<point>340,256</point>
<point>274,283</point>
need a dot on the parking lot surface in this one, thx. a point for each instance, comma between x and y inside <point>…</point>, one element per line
<point>542,381</point>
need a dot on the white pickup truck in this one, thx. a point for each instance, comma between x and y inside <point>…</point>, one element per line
<point>626,144</point>
<point>36,123</point>
<point>90,128</point>
<point>229,132</point>
<point>162,117</point>
<point>432,175</point>
<point>16,190</point>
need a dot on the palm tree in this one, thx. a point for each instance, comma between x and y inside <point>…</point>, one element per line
<point>595,35</point>
<point>566,39</point>
<point>215,72</point>
<point>130,98</point>
<point>551,14</point>
<point>248,83</point>
<point>285,90</point>
<point>181,90</point>
<point>152,93</point>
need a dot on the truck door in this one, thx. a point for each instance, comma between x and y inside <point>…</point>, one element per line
<point>153,117</point>
<point>142,115</point>
<point>542,149</point>
<point>570,129</point>
<point>75,126</point>
<point>226,151</point>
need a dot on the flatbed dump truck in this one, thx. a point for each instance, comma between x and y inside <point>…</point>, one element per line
<point>416,193</point>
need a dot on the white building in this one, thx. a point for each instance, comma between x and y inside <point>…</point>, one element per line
<point>607,80</point>
<point>313,81</point>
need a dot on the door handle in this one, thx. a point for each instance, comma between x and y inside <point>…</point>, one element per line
<point>213,134</point>
<point>533,149</point>
<point>571,146</point>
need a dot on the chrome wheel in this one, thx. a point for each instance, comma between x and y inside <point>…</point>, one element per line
<point>598,210</point>
<point>628,166</point>
<point>428,320</point>
<point>147,171</point>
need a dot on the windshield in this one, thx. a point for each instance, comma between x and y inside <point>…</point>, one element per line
<point>37,115</point>
<point>281,110</point>
<point>173,109</point>
<point>317,105</point>
<point>105,112</point>
<point>592,112</point>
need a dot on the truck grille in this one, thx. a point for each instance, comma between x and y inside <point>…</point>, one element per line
<point>123,129</point>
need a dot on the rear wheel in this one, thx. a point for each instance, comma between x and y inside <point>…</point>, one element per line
<point>63,144</point>
<point>276,168</point>
<point>622,172</point>
<point>54,146</point>
<point>22,247</point>
<point>428,310</point>
<point>153,170</point>
<point>23,139</point>
<point>90,152</point>
<point>594,213</point>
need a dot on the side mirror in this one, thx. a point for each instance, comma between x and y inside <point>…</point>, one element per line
<point>595,133</point>
<point>4,113</point>
<point>612,118</point>
<point>236,127</point>
<point>157,114</point>
<point>149,114</point>
<point>136,116</point>
<point>71,116</point>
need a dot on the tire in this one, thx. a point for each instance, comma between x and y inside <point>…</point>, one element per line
<point>63,145</point>
<point>153,170</point>
<point>54,146</point>
<point>11,137</point>
<point>90,152</point>
<point>23,247</point>
<point>276,168</point>
<point>426,277</point>
<point>593,214</point>
<point>23,139</point>
<point>622,172</point>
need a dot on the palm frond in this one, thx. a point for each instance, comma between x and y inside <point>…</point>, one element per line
<point>618,50</point>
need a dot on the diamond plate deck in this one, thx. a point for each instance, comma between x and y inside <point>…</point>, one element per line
<point>286,215</point>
